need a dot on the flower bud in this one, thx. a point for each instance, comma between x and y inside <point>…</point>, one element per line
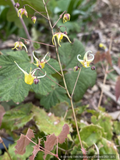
<point>76,68</point>
<point>33,19</point>
<point>36,81</point>
<point>65,32</point>
<point>66,17</point>
<point>93,68</point>
<point>17,5</point>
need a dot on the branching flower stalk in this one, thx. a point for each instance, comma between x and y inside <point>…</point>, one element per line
<point>105,76</point>
<point>26,31</point>
<point>70,97</point>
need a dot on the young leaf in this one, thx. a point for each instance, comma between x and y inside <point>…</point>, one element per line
<point>35,151</point>
<point>23,142</point>
<point>117,88</point>
<point>63,134</point>
<point>2,112</point>
<point>49,144</point>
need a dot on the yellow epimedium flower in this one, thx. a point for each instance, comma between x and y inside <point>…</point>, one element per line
<point>19,44</point>
<point>59,36</point>
<point>85,62</point>
<point>22,11</point>
<point>66,17</point>
<point>101,45</point>
<point>29,77</point>
<point>41,64</point>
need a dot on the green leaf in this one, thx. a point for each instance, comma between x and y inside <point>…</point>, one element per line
<point>103,120</point>
<point>12,85</point>
<point>91,134</point>
<point>56,96</point>
<point>109,148</point>
<point>68,55</point>
<point>47,123</point>
<point>17,117</point>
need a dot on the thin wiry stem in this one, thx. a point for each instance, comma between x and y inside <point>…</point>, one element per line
<point>6,149</point>
<point>37,42</point>
<point>53,80</point>
<point>76,82</point>
<point>63,75</point>
<point>58,19</point>
<point>36,11</point>
<point>26,31</point>
<point>54,69</point>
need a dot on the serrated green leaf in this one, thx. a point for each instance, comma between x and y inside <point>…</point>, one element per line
<point>47,123</point>
<point>68,55</point>
<point>91,134</point>
<point>12,85</point>
<point>108,148</point>
<point>56,96</point>
<point>86,79</point>
<point>17,117</point>
<point>103,120</point>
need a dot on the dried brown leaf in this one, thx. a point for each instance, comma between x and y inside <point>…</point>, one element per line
<point>35,151</point>
<point>108,58</point>
<point>23,142</point>
<point>99,56</point>
<point>2,112</point>
<point>63,135</point>
<point>49,144</point>
<point>117,88</point>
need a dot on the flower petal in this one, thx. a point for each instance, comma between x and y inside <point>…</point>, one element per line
<point>66,37</point>
<point>20,68</point>
<point>85,56</point>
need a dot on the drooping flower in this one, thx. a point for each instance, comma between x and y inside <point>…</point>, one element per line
<point>29,77</point>
<point>33,19</point>
<point>101,45</point>
<point>41,64</point>
<point>19,44</point>
<point>59,36</point>
<point>66,17</point>
<point>22,11</point>
<point>85,62</point>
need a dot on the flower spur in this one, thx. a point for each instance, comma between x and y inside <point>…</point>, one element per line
<point>29,77</point>
<point>85,62</point>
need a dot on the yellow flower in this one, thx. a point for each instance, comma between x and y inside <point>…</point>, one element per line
<point>19,45</point>
<point>41,64</point>
<point>101,45</point>
<point>66,17</point>
<point>22,11</point>
<point>29,77</point>
<point>59,36</point>
<point>85,62</point>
